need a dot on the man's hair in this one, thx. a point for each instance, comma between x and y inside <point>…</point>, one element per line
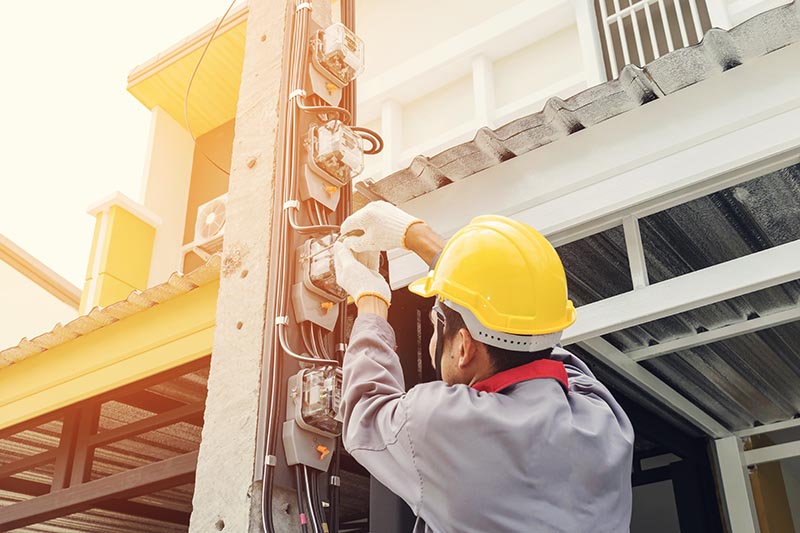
<point>501,358</point>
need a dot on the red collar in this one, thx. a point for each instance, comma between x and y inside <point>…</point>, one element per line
<point>542,368</point>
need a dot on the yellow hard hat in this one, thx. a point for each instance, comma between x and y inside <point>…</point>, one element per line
<point>506,273</point>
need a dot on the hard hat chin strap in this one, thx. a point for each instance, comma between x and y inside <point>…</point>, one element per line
<point>499,339</point>
<point>437,354</point>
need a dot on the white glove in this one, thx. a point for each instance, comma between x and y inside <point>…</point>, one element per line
<point>377,226</point>
<point>360,276</point>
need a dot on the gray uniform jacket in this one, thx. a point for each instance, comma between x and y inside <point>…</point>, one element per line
<point>528,458</point>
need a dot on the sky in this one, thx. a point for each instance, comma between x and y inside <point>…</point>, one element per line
<point>71,133</point>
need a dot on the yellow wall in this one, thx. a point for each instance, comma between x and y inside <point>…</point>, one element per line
<point>207,181</point>
<point>119,263</point>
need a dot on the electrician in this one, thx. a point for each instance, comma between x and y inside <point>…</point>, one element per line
<point>519,436</point>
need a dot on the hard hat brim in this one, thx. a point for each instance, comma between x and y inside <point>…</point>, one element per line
<point>422,286</point>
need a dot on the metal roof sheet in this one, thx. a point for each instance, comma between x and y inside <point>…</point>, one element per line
<point>98,317</point>
<point>117,457</point>
<point>743,381</point>
<point>719,51</point>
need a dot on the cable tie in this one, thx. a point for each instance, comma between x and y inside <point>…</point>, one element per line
<point>305,5</point>
<point>341,347</point>
<point>291,204</point>
<point>336,481</point>
<point>303,520</point>
<point>281,320</point>
<point>297,92</point>
<point>271,460</point>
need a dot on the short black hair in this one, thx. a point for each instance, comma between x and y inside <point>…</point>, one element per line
<point>501,358</point>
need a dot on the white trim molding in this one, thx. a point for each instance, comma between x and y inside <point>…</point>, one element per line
<point>769,454</point>
<point>747,274</point>
<point>636,373</point>
<point>769,428</point>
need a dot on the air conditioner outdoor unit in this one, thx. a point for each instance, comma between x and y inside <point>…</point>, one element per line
<point>209,228</point>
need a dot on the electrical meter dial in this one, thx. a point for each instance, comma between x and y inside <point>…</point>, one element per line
<point>338,54</point>
<point>335,152</point>
<point>318,272</point>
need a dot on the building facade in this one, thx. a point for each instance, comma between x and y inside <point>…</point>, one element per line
<point>654,143</point>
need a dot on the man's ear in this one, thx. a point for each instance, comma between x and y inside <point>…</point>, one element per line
<point>466,349</point>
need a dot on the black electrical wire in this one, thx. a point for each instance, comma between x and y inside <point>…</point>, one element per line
<point>372,137</point>
<point>317,499</point>
<point>275,384</point>
<point>343,114</point>
<point>314,338</point>
<point>189,87</point>
<point>312,229</point>
<point>300,503</point>
<point>304,334</point>
<point>310,501</point>
<point>301,358</point>
<point>348,18</point>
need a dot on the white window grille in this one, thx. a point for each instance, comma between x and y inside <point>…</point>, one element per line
<point>639,31</point>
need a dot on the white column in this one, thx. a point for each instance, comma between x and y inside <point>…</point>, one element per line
<point>165,188</point>
<point>636,260</point>
<point>718,13</point>
<point>589,38</point>
<point>483,91</point>
<point>392,129</point>
<point>734,479</point>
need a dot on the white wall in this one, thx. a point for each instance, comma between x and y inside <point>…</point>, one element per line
<point>26,309</point>
<point>396,31</point>
<point>438,71</point>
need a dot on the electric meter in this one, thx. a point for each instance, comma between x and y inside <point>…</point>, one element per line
<point>320,396</point>
<point>335,152</point>
<point>316,262</point>
<point>313,419</point>
<point>339,54</point>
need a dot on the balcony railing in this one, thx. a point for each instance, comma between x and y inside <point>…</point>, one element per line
<point>637,32</point>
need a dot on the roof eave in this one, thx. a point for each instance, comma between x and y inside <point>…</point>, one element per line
<point>39,273</point>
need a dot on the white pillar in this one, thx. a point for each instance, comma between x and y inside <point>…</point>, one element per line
<point>737,497</point>
<point>589,37</point>
<point>392,128</point>
<point>718,13</point>
<point>635,249</point>
<point>483,91</point>
<point>165,188</point>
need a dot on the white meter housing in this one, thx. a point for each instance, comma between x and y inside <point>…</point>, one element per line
<point>335,152</point>
<point>339,54</point>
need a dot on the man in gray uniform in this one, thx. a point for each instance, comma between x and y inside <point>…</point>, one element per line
<point>519,436</point>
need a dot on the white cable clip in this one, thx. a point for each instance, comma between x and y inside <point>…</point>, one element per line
<point>336,481</point>
<point>271,460</point>
<point>304,5</point>
<point>291,204</point>
<point>281,320</point>
<point>341,347</point>
<point>297,92</point>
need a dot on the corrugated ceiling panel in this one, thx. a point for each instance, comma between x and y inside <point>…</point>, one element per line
<point>746,380</point>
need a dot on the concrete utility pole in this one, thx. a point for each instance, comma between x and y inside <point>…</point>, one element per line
<point>226,497</point>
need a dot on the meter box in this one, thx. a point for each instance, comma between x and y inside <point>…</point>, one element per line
<point>316,295</point>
